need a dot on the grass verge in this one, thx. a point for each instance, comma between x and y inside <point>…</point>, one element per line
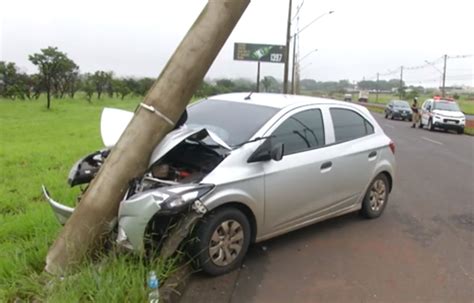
<point>37,147</point>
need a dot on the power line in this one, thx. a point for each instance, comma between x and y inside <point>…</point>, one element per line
<point>460,56</point>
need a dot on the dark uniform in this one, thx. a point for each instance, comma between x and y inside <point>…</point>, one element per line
<point>416,112</point>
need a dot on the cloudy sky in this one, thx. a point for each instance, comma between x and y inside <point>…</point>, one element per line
<point>361,38</point>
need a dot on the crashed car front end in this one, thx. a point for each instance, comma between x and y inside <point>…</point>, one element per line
<point>136,212</point>
<point>171,186</point>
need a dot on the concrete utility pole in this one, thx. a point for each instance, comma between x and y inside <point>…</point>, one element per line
<point>258,77</point>
<point>401,82</point>
<point>90,223</point>
<point>443,91</point>
<point>377,89</point>
<point>287,50</point>
<point>293,67</point>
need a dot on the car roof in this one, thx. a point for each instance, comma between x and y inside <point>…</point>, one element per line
<point>276,100</point>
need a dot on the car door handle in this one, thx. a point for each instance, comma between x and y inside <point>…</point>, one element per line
<point>373,154</point>
<point>326,165</point>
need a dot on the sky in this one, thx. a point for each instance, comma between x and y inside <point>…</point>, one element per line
<point>360,39</point>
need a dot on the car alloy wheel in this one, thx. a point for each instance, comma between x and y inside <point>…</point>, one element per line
<point>377,195</point>
<point>220,241</point>
<point>226,243</point>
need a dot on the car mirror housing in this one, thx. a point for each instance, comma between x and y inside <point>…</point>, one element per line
<point>278,151</point>
<point>267,152</point>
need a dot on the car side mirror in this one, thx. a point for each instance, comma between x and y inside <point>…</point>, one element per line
<point>267,152</point>
<point>278,151</point>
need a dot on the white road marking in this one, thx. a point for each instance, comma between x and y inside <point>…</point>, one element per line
<point>433,141</point>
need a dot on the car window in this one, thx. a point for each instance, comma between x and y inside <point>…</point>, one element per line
<point>300,132</point>
<point>349,125</point>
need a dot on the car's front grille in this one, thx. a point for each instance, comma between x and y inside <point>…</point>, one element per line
<point>450,121</point>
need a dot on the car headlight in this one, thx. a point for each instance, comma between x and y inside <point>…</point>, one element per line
<point>182,195</point>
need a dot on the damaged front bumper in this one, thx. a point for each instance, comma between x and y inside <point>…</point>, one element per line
<point>136,212</point>
<point>62,212</point>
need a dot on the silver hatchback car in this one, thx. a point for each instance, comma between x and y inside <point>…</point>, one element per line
<point>254,166</point>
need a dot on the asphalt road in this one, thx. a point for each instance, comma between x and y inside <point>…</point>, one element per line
<point>420,250</point>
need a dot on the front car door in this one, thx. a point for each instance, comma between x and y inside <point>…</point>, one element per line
<point>299,185</point>
<point>426,111</point>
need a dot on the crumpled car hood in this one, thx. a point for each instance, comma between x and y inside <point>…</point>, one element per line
<point>114,121</point>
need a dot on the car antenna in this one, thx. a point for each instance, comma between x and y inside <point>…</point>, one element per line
<point>248,97</point>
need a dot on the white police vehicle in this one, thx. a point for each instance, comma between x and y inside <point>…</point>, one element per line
<point>442,113</point>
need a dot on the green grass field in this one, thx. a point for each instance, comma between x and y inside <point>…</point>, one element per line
<point>37,147</point>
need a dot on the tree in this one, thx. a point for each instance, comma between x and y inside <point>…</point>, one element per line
<point>206,89</point>
<point>102,80</point>
<point>121,88</point>
<point>52,65</point>
<point>270,84</point>
<point>88,86</point>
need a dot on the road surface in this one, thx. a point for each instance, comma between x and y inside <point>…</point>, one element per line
<point>420,250</point>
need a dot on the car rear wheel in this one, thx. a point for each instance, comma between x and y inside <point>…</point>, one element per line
<point>460,131</point>
<point>221,242</point>
<point>376,198</point>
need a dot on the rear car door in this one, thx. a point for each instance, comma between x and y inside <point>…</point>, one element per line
<point>299,185</point>
<point>355,155</point>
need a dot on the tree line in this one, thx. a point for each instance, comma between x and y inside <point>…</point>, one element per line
<point>59,76</point>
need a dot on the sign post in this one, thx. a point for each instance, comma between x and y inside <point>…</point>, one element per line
<point>260,53</point>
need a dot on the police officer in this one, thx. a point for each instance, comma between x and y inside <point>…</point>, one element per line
<point>416,113</point>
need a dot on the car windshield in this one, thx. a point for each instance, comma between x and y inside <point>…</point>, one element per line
<point>402,104</point>
<point>233,122</point>
<point>446,105</point>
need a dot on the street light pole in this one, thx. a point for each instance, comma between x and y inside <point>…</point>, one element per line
<point>444,76</point>
<point>293,67</point>
<point>294,37</point>
<point>287,50</point>
<point>293,78</point>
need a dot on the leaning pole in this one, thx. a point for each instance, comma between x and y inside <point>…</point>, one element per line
<point>87,227</point>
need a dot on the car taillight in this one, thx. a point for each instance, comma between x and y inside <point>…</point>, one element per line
<point>392,146</point>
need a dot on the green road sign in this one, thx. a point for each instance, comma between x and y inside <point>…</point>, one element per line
<point>259,52</point>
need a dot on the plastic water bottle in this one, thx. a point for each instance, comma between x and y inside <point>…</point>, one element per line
<point>153,285</point>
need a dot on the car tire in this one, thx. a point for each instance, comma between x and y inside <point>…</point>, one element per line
<point>391,116</point>
<point>386,115</point>
<point>430,125</point>
<point>221,241</point>
<point>461,131</point>
<point>376,198</point>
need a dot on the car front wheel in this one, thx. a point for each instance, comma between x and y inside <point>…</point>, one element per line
<point>221,241</point>
<point>430,125</point>
<point>376,198</point>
